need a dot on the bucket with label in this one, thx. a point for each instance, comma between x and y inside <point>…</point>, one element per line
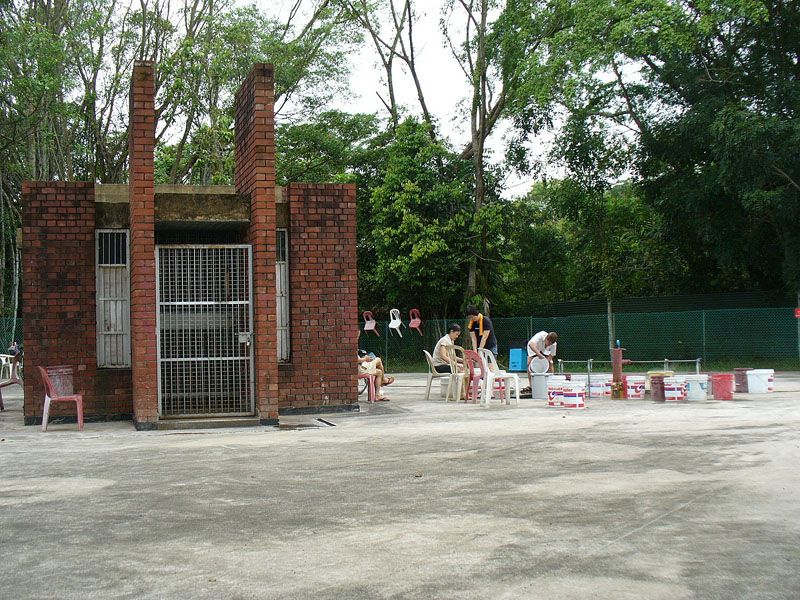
<point>574,395</point>
<point>761,381</point>
<point>634,386</point>
<point>555,394</point>
<point>674,389</point>
<point>597,384</point>
<point>697,387</point>
<point>723,386</point>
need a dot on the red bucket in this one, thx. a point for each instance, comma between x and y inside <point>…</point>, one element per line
<point>657,388</point>
<point>723,386</point>
<point>740,379</point>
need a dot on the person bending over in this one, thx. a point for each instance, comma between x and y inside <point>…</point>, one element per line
<point>543,345</point>
<point>481,331</point>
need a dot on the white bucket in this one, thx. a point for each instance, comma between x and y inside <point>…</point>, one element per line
<point>553,387</point>
<point>539,365</point>
<point>443,383</point>
<point>697,387</point>
<point>761,381</point>
<point>574,395</point>
<point>635,387</point>
<point>674,389</point>
<point>598,384</point>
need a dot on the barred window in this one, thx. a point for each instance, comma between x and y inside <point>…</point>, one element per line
<point>282,292</point>
<point>113,299</point>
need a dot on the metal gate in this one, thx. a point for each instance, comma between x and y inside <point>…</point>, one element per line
<point>205,362</point>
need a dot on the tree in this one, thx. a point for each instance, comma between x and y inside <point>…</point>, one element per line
<point>418,214</point>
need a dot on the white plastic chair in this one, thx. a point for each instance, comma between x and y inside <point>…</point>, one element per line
<point>5,365</point>
<point>495,374</point>
<point>396,323</point>
<point>14,378</point>
<point>456,353</point>
<point>433,374</point>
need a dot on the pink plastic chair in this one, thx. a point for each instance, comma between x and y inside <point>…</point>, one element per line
<point>58,388</point>
<point>371,380</point>
<point>370,323</point>
<point>14,379</point>
<point>416,320</point>
<point>477,375</point>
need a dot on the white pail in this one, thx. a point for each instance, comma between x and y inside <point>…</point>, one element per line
<point>598,384</point>
<point>574,395</point>
<point>697,387</point>
<point>760,381</point>
<point>674,389</point>
<point>635,386</point>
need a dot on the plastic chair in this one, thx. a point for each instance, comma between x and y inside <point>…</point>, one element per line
<point>477,375</point>
<point>14,377</point>
<point>371,381</point>
<point>5,365</point>
<point>58,388</point>
<point>496,375</point>
<point>395,323</point>
<point>415,320</point>
<point>457,358</point>
<point>434,374</point>
<point>370,324</point>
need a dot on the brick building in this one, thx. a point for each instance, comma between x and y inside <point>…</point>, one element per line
<point>176,303</point>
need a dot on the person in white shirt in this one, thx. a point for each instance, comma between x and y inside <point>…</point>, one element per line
<point>543,345</point>
<point>441,359</point>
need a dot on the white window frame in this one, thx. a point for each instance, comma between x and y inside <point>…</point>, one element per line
<point>283,316</point>
<point>118,277</point>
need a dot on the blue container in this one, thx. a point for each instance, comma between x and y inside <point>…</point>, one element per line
<point>515,360</point>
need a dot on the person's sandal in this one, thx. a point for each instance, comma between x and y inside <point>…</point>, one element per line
<point>389,380</point>
<point>383,399</point>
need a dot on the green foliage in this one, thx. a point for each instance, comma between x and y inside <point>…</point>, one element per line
<point>418,216</point>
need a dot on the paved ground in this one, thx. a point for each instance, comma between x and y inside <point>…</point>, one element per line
<point>626,500</point>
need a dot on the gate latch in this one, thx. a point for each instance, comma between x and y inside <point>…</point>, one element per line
<point>245,337</point>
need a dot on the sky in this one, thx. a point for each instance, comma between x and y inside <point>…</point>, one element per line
<point>443,82</point>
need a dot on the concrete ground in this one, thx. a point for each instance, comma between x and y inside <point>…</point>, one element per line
<point>413,499</point>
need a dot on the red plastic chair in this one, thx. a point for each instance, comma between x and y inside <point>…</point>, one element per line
<point>370,323</point>
<point>416,320</point>
<point>477,374</point>
<point>371,380</point>
<point>58,388</point>
<point>14,378</point>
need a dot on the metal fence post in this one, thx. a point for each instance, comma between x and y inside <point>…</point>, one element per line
<point>704,338</point>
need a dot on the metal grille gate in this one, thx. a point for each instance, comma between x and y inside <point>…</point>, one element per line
<point>204,325</point>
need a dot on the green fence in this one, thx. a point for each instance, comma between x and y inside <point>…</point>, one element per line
<point>10,329</point>
<point>721,338</point>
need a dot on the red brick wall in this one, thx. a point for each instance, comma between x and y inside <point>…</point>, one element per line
<point>141,191</point>
<point>323,298</point>
<point>58,299</point>
<point>255,176</point>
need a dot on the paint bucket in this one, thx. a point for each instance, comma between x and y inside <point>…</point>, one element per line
<point>539,365</point>
<point>574,396</point>
<point>634,386</point>
<point>539,386</point>
<point>657,387</point>
<point>443,383</point>
<point>651,374</point>
<point>697,387</point>
<point>740,379</point>
<point>674,389</point>
<point>555,395</point>
<point>597,385</point>
<point>723,386</point>
<point>761,381</point>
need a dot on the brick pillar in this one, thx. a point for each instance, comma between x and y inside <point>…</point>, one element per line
<point>58,291</point>
<point>323,299</point>
<point>255,176</point>
<point>141,145</point>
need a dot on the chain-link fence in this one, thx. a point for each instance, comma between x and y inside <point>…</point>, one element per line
<point>10,330</point>
<point>722,339</point>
